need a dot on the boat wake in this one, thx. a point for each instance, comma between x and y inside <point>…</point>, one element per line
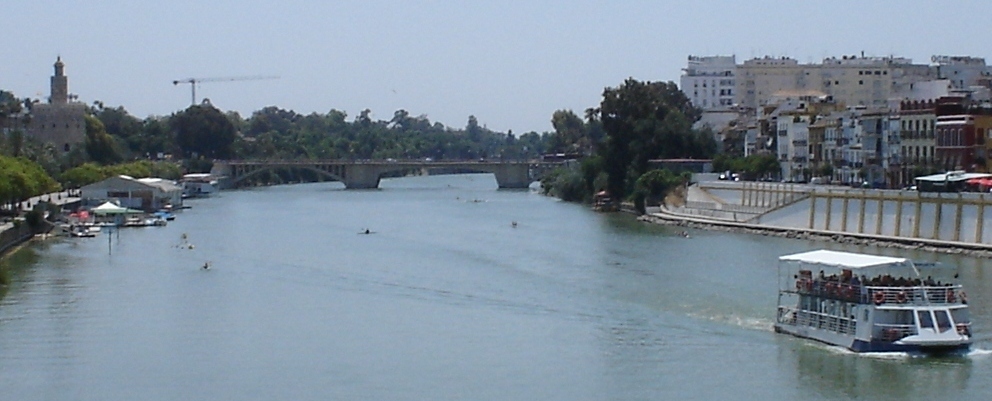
<point>746,322</point>
<point>979,353</point>
<point>971,354</point>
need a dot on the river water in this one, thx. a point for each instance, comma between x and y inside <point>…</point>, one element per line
<point>445,299</point>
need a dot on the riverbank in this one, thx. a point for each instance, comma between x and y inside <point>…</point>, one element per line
<point>976,250</point>
<point>12,237</point>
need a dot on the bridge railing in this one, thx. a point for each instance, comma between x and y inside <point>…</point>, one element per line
<point>384,162</point>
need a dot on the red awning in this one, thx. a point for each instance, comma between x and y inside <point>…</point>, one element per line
<point>987,182</point>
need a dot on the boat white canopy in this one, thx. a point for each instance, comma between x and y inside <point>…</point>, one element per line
<point>845,260</point>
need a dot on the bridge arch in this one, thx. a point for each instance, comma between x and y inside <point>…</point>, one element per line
<point>237,180</point>
<point>366,174</point>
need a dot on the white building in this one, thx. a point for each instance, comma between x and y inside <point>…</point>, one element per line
<point>709,82</point>
<point>793,145</point>
<point>850,80</point>
<point>148,194</point>
<point>961,71</point>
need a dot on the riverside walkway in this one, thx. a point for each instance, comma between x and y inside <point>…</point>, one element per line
<point>12,234</point>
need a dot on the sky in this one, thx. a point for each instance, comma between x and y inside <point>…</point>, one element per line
<point>511,64</point>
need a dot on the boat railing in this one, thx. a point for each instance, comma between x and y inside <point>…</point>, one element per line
<point>824,321</point>
<point>893,332</point>
<point>879,295</point>
<point>921,295</point>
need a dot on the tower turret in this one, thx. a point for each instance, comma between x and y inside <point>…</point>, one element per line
<point>60,84</point>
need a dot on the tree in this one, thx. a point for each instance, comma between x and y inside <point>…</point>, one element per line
<point>825,170</point>
<point>21,178</point>
<point>99,144</point>
<point>566,184</point>
<point>642,121</point>
<point>155,138</point>
<point>570,133</point>
<point>118,122</point>
<point>652,186</point>
<point>202,130</point>
<point>10,108</point>
<point>472,128</point>
<point>84,174</point>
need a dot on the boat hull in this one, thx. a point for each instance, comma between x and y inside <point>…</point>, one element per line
<point>859,345</point>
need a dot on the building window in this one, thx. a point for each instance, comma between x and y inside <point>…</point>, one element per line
<point>65,148</point>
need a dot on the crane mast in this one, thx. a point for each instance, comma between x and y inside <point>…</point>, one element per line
<point>193,81</point>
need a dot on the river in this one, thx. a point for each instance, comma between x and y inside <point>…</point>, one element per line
<point>445,299</point>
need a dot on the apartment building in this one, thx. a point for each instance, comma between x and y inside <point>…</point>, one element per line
<point>849,80</point>
<point>917,121</point>
<point>709,81</point>
<point>961,71</point>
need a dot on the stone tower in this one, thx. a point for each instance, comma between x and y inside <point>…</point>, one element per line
<point>61,122</point>
<point>60,84</point>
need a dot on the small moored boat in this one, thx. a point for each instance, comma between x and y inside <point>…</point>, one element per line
<point>870,303</point>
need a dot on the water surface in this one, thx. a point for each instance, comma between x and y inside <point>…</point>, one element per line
<point>445,299</point>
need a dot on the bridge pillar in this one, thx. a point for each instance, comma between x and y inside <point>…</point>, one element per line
<point>224,172</point>
<point>515,175</point>
<point>361,176</point>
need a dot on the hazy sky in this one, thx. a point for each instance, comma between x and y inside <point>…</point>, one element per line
<point>509,63</point>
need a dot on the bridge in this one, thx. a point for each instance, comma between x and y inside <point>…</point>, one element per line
<point>365,174</point>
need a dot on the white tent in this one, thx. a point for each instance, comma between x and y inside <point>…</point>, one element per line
<point>110,208</point>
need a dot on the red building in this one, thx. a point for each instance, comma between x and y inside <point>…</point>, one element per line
<point>957,146</point>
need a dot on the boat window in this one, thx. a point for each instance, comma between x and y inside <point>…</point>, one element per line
<point>943,321</point>
<point>959,315</point>
<point>926,322</point>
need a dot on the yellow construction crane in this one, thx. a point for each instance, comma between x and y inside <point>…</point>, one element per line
<point>193,81</point>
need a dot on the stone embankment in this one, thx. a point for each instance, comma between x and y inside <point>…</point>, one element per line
<point>977,250</point>
<point>946,223</point>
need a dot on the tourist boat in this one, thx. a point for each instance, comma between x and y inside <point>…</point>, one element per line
<point>870,303</point>
<point>198,185</point>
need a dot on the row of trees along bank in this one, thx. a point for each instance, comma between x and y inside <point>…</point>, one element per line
<point>634,123</point>
<point>200,133</point>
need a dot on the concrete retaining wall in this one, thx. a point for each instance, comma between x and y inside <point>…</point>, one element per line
<point>957,217</point>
